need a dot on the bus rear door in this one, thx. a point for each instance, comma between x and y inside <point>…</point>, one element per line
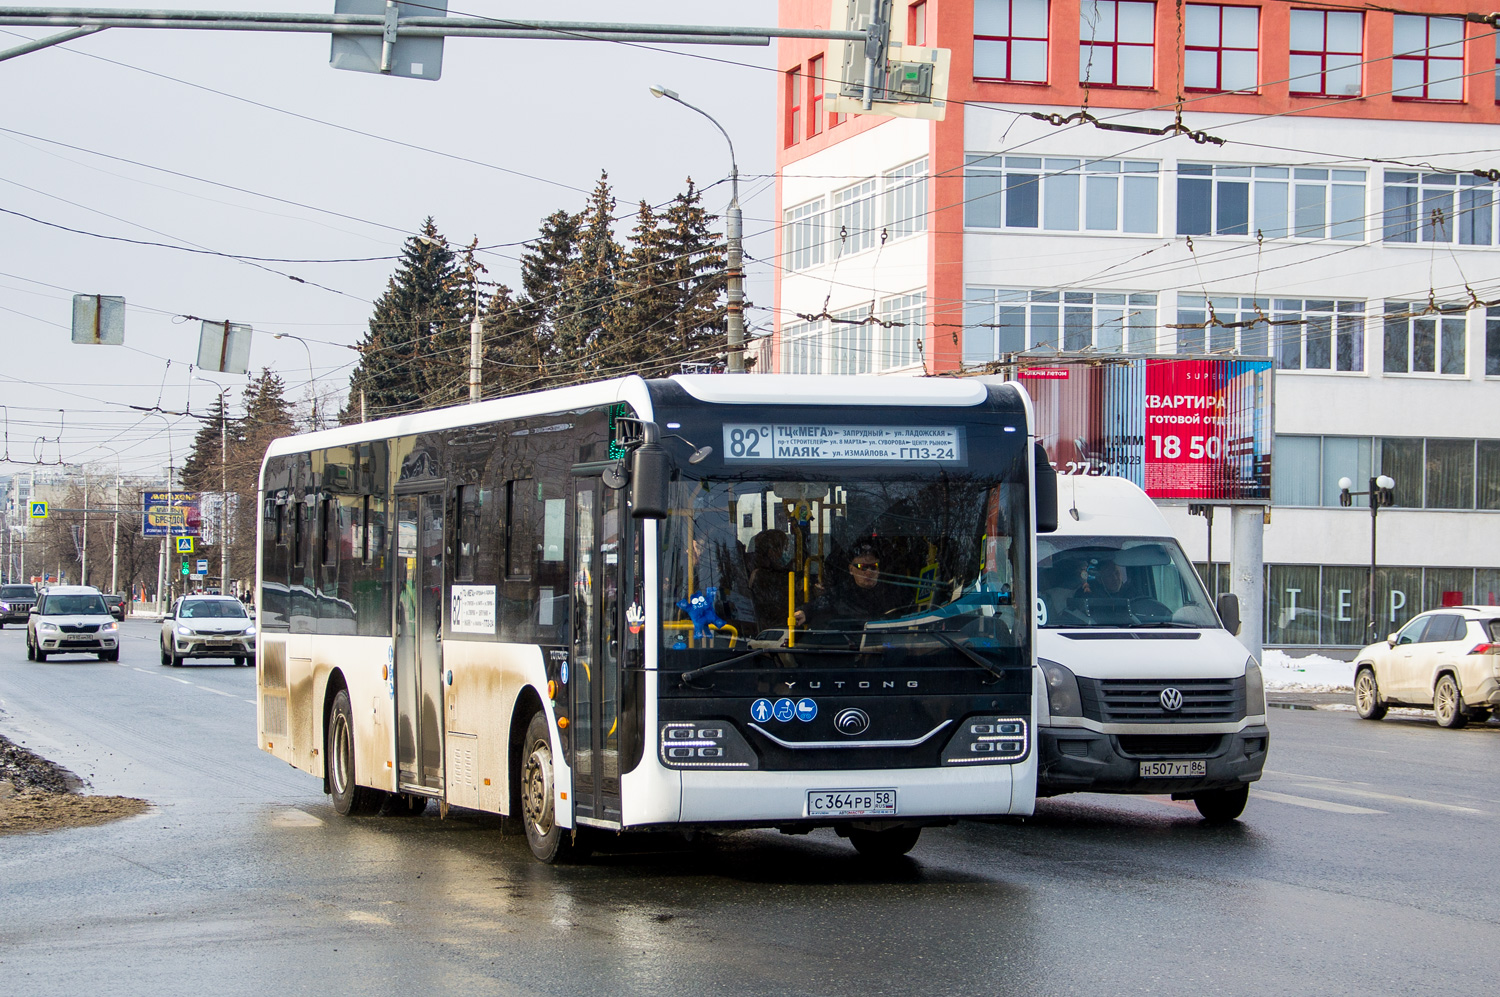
<point>594,685</point>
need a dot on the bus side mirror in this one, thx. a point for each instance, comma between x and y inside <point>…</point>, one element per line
<point>1046,491</point>
<point>649,478</point>
<point>1229,612</point>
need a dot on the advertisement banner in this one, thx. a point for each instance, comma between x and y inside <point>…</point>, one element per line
<point>1190,429</point>
<point>171,514</point>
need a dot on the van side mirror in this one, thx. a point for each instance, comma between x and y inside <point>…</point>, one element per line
<point>1229,612</point>
<point>1046,491</point>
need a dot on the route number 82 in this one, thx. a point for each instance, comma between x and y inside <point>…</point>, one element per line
<point>745,442</point>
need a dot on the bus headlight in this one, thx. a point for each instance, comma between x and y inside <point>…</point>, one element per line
<point>1255,690</point>
<point>1063,699</point>
<point>996,740</point>
<point>704,744</point>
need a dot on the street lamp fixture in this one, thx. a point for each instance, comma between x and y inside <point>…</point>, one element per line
<point>312,381</point>
<point>734,243</point>
<point>1382,492</point>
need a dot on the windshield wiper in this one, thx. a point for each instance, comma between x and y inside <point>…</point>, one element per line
<point>969,653</point>
<point>687,677</point>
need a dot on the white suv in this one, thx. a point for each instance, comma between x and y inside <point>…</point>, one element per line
<point>72,619</point>
<point>1445,659</point>
<point>208,626</point>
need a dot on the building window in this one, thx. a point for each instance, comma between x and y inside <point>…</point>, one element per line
<point>1429,58</point>
<point>1497,68</point>
<point>1001,321</point>
<point>1436,207</point>
<point>1492,342</point>
<point>904,192</point>
<point>802,347</point>
<point>793,106</point>
<point>1010,41</point>
<point>1418,341</point>
<point>1275,202</point>
<point>1319,335</point>
<point>853,223</point>
<point>802,237</point>
<point>1223,325</point>
<point>916,23</point>
<point>1327,48</point>
<point>904,323</point>
<point>1429,473</point>
<point>1117,43</point>
<point>1222,47</point>
<point>853,342</point>
<point>815,87</point>
<point>1064,195</point>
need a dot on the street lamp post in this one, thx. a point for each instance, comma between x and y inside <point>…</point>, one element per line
<point>734,240</point>
<point>1382,492</point>
<point>312,382</point>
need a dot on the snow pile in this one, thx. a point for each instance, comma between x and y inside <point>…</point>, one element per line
<point>1310,673</point>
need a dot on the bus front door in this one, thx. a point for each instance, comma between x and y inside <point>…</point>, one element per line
<point>594,688</point>
<point>418,657</point>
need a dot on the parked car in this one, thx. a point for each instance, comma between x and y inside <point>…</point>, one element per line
<point>117,604</point>
<point>208,626</point>
<point>72,619</point>
<point>1447,660</point>
<point>15,603</point>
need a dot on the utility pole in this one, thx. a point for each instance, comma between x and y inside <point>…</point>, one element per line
<point>476,348</point>
<point>114,563</point>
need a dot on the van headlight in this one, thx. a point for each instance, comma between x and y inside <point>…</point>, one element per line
<point>1255,690</point>
<point>1062,690</point>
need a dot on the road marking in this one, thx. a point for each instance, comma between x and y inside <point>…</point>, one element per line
<point>217,692</point>
<point>1315,778</point>
<point>364,917</point>
<point>1302,801</point>
<point>1317,782</point>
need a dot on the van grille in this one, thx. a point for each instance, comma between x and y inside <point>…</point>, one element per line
<point>1155,745</point>
<point>1139,700</point>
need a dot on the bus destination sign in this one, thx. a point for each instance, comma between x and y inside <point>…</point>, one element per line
<point>870,444</point>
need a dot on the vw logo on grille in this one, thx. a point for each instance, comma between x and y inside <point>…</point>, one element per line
<point>1171,699</point>
<point>852,721</point>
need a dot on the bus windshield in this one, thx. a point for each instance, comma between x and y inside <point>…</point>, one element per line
<point>1118,582</point>
<point>810,562</point>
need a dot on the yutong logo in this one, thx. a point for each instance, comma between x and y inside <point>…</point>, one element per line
<point>849,684</point>
<point>852,721</point>
<point>1171,699</point>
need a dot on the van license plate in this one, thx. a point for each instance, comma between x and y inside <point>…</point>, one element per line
<point>1174,770</point>
<point>851,803</point>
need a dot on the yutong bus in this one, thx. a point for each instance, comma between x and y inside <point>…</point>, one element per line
<point>767,601</point>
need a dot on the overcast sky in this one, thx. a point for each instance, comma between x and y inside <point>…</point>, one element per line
<point>222,107</point>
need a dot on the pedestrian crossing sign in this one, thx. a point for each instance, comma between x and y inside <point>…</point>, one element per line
<point>39,510</point>
<point>184,545</point>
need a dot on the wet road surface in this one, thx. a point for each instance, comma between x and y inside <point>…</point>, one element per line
<point>1364,864</point>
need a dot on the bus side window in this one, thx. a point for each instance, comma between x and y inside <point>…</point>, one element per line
<point>467,539</point>
<point>328,531</point>
<point>297,514</point>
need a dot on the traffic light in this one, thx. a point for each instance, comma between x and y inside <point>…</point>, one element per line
<point>184,567</point>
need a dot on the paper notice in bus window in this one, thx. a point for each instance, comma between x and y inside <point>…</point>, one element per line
<point>554,515</point>
<point>866,444</point>
<point>471,609</point>
<point>544,607</point>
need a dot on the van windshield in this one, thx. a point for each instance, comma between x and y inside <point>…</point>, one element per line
<point>1118,582</point>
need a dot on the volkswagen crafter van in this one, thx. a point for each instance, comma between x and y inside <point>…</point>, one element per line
<point>1148,691</point>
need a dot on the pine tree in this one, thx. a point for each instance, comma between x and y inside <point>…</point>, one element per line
<point>201,470</point>
<point>588,291</point>
<point>410,354</point>
<point>515,347</point>
<point>643,316</point>
<point>697,256</point>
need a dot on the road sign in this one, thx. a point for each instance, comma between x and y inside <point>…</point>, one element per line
<point>202,565</point>
<point>184,546</point>
<point>39,510</point>
<point>224,347</point>
<point>98,320</point>
<point>391,53</point>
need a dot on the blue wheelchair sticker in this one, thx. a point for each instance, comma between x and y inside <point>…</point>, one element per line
<point>806,709</point>
<point>760,710</point>
<point>784,710</point>
<point>564,675</point>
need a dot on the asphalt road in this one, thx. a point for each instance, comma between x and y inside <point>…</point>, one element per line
<point>1364,864</point>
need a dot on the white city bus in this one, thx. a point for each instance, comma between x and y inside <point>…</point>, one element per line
<point>704,601</point>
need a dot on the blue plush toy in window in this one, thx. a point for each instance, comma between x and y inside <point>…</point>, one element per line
<point>699,608</point>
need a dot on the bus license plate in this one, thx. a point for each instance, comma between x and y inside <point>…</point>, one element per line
<point>1174,770</point>
<point>851,803</point>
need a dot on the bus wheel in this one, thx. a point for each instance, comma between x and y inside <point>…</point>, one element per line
<point>348,796</point>
<point>1220,806</point>
<point>890,843</point>
<point>548,841</point>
